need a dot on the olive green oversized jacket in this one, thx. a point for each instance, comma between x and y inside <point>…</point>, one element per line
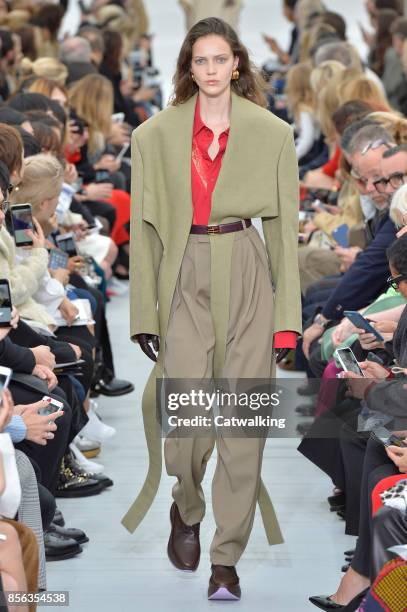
<point>258,178</point>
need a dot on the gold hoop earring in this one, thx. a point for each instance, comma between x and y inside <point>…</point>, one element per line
<point>235,75</point>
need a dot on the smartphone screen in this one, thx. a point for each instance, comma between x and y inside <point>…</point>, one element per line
<point>58,259</point>
<point>21,218</point>
<point>349,361</point>
<point>67,244</point>
<point>5,304</point>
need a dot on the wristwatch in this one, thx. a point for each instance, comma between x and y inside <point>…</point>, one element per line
<point>320,320</point>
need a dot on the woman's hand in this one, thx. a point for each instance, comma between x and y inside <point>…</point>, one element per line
<point>99,191</point>
<point>37,237</point>
<point>70,174</point>
<point>61,275</point>
<point>119,134</point>
<point>343,331</point>
<point>347,256</point>
<point>40,428</point>
<point>369,341</point>
<point>44,356</point>
<point>68,311</point>
<point>107,162</point>
<point>46,374</point>
<point>398,456</point>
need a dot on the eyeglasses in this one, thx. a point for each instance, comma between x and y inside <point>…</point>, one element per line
<point>375,144</point>
<point>396,180</point>
<point>359,179</point>
<point>394,281</point>
<point>4,206</point>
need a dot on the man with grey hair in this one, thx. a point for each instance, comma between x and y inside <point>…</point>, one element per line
<point>95,38</point>
<point>344,53</point>
<point>366,276</point>
<point>75,53</point>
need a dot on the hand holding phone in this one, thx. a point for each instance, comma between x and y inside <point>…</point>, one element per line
<point>361,322</point>
<point>22,224</point>
<point>348,361</point>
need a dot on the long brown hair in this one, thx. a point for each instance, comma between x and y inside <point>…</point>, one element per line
<point>250,83</point>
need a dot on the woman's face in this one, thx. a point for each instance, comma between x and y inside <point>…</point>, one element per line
<point>45,211</point>
<point>213,64</point>
<point>403,285</point>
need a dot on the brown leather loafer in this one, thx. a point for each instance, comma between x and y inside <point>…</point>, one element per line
<point>224,583</point>
<point>184,549</point>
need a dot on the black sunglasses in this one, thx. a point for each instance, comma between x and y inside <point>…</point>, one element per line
<point>394,281</point>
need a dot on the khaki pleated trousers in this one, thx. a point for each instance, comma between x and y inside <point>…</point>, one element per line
<point>189,352</point>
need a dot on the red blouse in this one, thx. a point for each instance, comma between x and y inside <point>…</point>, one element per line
<point>204,173</point>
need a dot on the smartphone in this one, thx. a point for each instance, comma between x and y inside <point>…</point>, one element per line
<point>318,205</point>
<point>66,242</point>
<point>348,360</point>
<point>102,176</point>
<point>118,117</point>
<point>58,259</point>
<point>359,321</point>
<point>340,235</point>
<point>385,437</point>
<point>122,152</point>
<point>5,375</point>
<point>5,303</point>
<point>53,406</point>
<point>21,220</point>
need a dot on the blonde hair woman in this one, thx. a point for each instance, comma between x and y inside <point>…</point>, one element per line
<point>92,99</point>
<point>398,208</point>
<point>366,90</point>
<point>48,67</point>
<point>301,103</point>
<point>323,74</point>
<point>50,88</point>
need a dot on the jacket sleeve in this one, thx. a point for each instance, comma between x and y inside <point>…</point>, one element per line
<point>145,256</point>
<point>26,276</point>
<point>281,237</point>
<point>18,358</point>
<point>365,279</point>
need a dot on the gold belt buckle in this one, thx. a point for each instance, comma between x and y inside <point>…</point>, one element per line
<point>213,229</point>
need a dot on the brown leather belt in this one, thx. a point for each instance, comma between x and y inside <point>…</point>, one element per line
<point>224,228</point>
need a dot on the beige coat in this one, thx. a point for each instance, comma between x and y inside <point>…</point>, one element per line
<point>195,10</point>
<point>25,278</point>
<point>258,178</point>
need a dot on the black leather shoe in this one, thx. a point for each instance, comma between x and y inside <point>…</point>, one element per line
<point>113,388</point>
<point>75,485</point>
<point>306,410</point>
<point>336,500</point>
<point>323,602</point>
<point>77,470</point>
<point>58,518</point>
<point>69,532</point>
<point>58,547</point>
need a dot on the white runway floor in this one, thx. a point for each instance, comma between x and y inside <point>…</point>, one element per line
<point>119,571</point>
